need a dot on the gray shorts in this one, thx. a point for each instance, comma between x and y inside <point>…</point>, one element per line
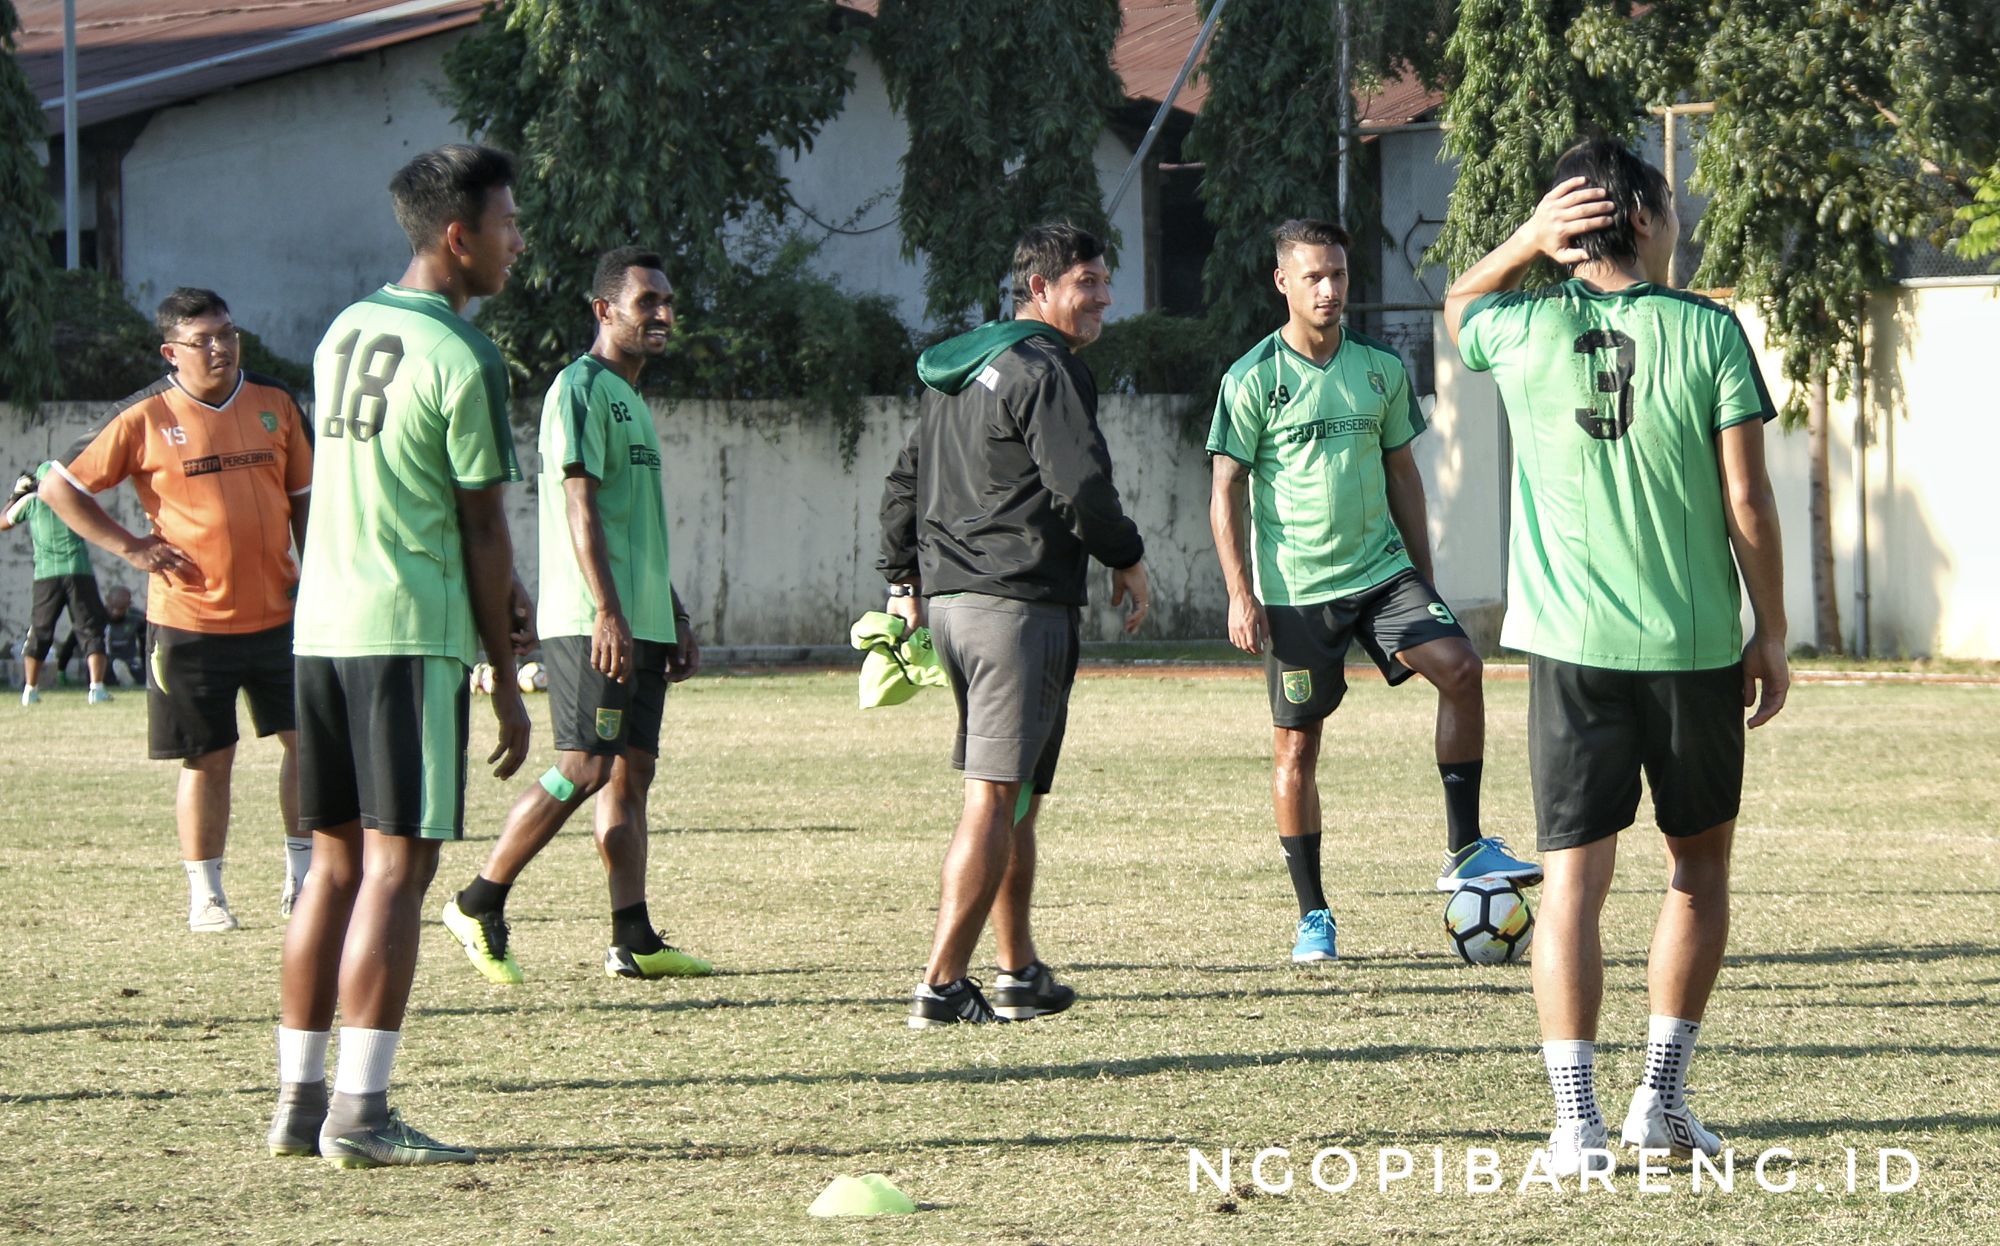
<point>1011,665</point>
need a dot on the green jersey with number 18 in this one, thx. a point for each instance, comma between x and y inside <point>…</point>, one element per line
<point>1620,551</point>
<point>410,404</point>
<point>595,424</point>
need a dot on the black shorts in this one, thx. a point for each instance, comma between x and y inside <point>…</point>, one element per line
<point>1011,664</point>
<point>78,595</point>
<point>382,740</point>
<point>591,713</point>
<point>1306,665</point>
<point>1591,731</point>
<point>191,705</point>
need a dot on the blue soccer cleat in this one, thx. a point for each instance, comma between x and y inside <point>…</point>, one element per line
<point>1316,934</point>
<point>1485,860</point>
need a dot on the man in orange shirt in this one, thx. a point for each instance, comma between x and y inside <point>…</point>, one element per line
<point>222,465</point>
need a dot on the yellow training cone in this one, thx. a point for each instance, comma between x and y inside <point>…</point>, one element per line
<point>872,1195</point>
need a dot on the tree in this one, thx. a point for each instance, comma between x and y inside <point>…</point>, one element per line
<point>1521,96</point>
<point>638,122</point>
<point>1839,128</point>
<point>1004,102</point>
<point>1268,133</point>
<point>27,275</point>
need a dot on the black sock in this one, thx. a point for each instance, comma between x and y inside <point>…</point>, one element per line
<point>633,930</point>
<point>1302,859</point>
<point>483,896</point>
<point>1461,802</point>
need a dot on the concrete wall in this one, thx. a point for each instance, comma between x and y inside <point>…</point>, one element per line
<point>276,194</point>
<point>773,543</point>
<point>1930,442</point>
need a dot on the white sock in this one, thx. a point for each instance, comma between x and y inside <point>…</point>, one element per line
<point>366,1058</point>
<point>1669,1047</point>
<point>298,860</point>
<point>1571,1063</point>
<point>204,882</point>
<point>97,685</point>
<point>302,1055</point>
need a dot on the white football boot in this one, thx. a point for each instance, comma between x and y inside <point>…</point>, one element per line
<point>1577,1145</point>
<point>1651,1125</point>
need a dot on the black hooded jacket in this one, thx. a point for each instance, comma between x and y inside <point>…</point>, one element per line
<point>1004,486</point>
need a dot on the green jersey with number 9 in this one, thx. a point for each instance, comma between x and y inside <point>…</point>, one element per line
<point>1619,552</point>
<point>410,406</point>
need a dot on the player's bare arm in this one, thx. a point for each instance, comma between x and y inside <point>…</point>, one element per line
<point>684,655</point>
<point>301,507</point>
<point>1752,512</point>
<point>1573,207</point>
<point>489,577</point>
<point>1407,509</point>
<point>1228,523</point>
<point>93,523</point>
<point>611,633</point>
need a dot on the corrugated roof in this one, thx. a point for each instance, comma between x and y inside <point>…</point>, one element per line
<point>133,55</point>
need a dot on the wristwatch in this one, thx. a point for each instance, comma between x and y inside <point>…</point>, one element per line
<point>902,590</point>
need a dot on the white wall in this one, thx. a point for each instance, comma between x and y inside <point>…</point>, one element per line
<point>276,194</point>
<point>853,173</point>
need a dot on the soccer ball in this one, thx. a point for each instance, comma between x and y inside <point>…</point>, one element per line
<point>482,679</point>
<point>1489,922</point>
<point>533,677</point>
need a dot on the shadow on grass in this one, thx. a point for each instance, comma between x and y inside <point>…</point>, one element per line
<point>1783,1129</point>
<point>696,1151</point>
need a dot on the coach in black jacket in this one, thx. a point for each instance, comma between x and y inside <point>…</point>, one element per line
<point>995,507</point>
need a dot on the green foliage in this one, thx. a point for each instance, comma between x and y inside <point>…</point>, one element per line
<point>772,328</point>
<point>1839,128</point>
<point>1269,130</point>
<point>27,368</point>
<point>1982,217</point>
<point>640,123</point>
<point>1523,95</point>
<point>1004,102</point>
<point>1158,353</point>
<point>105,348</point>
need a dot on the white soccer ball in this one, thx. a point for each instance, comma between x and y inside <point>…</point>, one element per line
<point>1489,922</point>
<point>482,679</point>
<point>533,677</point>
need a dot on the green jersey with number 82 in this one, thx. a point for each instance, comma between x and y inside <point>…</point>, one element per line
<point>1619,554</point>
<point>410,406</point>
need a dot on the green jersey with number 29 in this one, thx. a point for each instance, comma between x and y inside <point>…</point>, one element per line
<point>1620,553</point>
<point>410,406</point>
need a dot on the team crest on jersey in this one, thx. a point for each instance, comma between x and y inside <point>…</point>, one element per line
<point>1298,686</point>
<point>270,421</point>
<point>1277,398</point>
<point>608,723</point>
<point>1378,383</point>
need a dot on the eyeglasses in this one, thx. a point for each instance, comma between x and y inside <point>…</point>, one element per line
<point>224,340</point>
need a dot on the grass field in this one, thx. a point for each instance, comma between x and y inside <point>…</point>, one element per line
<point>797,842</point>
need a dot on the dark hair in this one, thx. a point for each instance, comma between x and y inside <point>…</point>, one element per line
<point>185,304</point>
<point>1631,183</point>
<point>1050,250</point>
<point>1308,232</point>
<point>613,267</point>
<point>446,185</point>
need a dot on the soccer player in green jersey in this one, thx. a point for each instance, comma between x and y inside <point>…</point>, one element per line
<point>614,635</point>
<point>1640,493</point>
<point>1314,424</point>
<point>64,580</point>
<point>408,574</point>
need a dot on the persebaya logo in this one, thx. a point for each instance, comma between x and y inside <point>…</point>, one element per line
<point>1298,686</point>
<point>1278,398</point>
<point>1378,384</point>
<point>608,723</point>
<point>270,421</point>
